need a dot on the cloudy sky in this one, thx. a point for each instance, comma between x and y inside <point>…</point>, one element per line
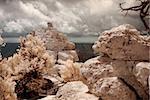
<point>80,17</point>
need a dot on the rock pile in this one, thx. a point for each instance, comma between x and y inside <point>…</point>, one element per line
<point>58,44</point>
<point>122,70</point>
<point>45,66</point>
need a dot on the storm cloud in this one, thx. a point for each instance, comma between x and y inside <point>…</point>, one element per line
<point>79,17</point>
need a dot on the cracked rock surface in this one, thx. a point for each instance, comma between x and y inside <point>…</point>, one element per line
<point>142,73</point>
<point>123,43</point>
<point>112,88</point>
<point>125,62</point>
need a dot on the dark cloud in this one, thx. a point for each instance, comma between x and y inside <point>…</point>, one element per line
<point>69,16</point>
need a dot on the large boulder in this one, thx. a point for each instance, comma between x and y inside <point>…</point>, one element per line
<point>112,88</point>
<point>123,43</point>
<point>97,68</point>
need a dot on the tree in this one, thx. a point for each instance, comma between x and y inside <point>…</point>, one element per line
<point>143,9</point>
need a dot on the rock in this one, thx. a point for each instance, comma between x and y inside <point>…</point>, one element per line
<point>54,40</point>
<point>102,67</point>
<point>142,72</point>
<point>112,88</point>
<point>124,70</point>
<point>57,44</point>
<point>79,96</point>
<point>123,43</point>
<point>97,68</point>
<point>68,55</point>
<point>74,87</point>
<point>75,91</point>
<point>49,97</point>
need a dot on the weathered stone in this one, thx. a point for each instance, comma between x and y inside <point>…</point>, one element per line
<point>75,91</point>
<point>54,40</point>
<point>68,55</point>
<point>124,70</point>
<point>57,44</point>
<point>74,87</point>
<point>123,43</point>
<point>49,97</point>
<point>112,88</point>
<point>142,72</point>
<point>100,67</point>
<point>97,68</point>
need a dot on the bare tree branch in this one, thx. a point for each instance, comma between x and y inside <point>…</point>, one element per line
<point>143,9</point>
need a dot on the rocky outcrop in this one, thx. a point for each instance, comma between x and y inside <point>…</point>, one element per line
<point>58,44</point>
<point>45,66</point>
<point>121,49</point>
<point>123,43</point>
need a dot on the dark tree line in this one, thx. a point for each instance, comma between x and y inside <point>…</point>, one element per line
<point>143,9</point>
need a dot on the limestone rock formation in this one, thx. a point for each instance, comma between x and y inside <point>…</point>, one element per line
<point>54,40</point>
<point>46,66</point>
<point>123,43</point>
<point>112,88</point>
<point>102,67</point>
<point>97,68</point>
<point>57,44</point>
<point>142,72</point>
<point>68,55</point>
<point>120,49</point>
<point>72,91</point>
